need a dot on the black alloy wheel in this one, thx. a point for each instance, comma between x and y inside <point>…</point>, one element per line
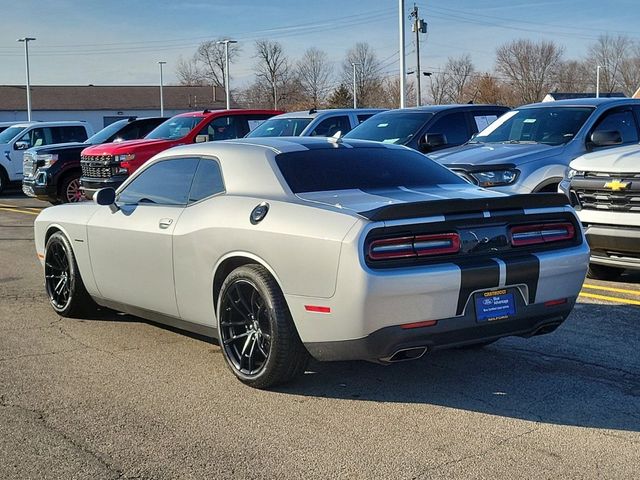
<point>57,274</point>
<point>245,327</point>
<point>256,332</point>
<point>65,289</point>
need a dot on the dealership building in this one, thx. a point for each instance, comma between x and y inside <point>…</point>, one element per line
<point>102,105</point>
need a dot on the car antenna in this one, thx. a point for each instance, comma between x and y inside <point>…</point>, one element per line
<point>206,110</point>
<point>336,138</point>
<point>313,110</point>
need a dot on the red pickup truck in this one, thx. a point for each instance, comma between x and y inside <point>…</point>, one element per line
<point>108,165</point>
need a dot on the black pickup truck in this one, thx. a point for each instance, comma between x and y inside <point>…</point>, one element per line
<point>52,173</point>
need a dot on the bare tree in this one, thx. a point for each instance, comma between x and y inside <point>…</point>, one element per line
<point>573,76</point>
<point>340,97</point>
<point>210,59</point>
<point>391,93</point>
<point>630,72</point>
<point>529,67</point>
<point>459,71</point>
<point>610,53</point>
<point>272,66</point>
<point>487,88</point>
<point>439,87</point>
<point>368,73</point>
<point>314,75</point>
<point>188,72</point>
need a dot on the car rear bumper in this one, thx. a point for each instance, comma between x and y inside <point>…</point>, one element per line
<point>388,344</point>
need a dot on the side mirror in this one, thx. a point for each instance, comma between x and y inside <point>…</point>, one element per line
<point>20,145</point>
<point>106,196</point>
<point>606,138</point>
<point>432,141</point>
<point>202,138</point>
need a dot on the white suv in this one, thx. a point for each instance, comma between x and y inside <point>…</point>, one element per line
<point>604,188</point>
<point>21,136</point>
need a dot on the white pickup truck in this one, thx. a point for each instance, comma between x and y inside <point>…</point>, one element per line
<point>604,188</point>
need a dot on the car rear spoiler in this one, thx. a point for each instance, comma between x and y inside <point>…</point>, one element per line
<point>462,205</point>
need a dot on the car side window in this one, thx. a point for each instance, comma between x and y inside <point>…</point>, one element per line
<point>253,121</point>
<point>621,121</point>
<point>164,183</point>
<point>207,181</point>
<point>221,128</point>
<point>67,134</point>
<point>453,126</point>
<point>364,116</point>
<point>482,120</point>
<point>330,126</point>
<point>37,137</point>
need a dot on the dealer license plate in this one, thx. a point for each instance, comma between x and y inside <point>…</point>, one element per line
<point>494,305</point>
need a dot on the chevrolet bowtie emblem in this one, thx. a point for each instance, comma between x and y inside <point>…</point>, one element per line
<point>617,185</point>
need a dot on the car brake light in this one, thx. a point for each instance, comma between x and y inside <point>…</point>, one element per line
<point>426,323</point>
<point>523,235</point>
<point>554,303</point>
<point>414,246</point>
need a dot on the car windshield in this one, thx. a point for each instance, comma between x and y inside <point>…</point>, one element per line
<point>10,133</point>
<point>391,127</point>
<point>549,125</point>
<point>176,127</point>
<point>328,169</point>
<point>106,133</point>
<point>280,127</point>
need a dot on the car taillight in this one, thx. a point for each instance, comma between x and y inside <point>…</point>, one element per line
<point>414,246</point>
<point>523,235</point>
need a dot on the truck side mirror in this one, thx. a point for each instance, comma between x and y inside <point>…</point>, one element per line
<point>606,138</point>
<point>432,141</point>
<point>202,138</point>
<point>20,145</point>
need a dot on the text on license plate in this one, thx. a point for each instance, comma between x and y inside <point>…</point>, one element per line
<point>494,305</point>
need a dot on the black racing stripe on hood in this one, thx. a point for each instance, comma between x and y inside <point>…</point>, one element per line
<point>476,276</point>
<point>524,270</point>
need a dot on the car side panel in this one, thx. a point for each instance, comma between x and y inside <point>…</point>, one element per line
<point>300,244</point>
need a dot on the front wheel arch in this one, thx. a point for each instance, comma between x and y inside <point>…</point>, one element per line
<point>550,185</point>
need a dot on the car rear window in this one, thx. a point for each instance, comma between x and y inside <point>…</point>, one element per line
<point>327,169</point>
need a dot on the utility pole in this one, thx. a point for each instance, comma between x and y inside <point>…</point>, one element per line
<point>419,26</point>
<point>598,81</point>
<point>226,70</point>
<point>161,92</point>
<point>26,41</point>
<point>355,101</point>
<point>402,51</point>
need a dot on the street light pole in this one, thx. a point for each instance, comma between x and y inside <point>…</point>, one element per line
<point>402,52</point>
<point>355,85</point>
<point>26,41</point>
<point>161,92</point>
<point>598,81</point>
<point>226,70</point>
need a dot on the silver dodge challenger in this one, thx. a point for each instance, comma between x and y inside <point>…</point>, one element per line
<point>283,249</point>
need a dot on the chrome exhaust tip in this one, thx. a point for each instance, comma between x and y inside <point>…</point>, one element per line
<point>406,354</point>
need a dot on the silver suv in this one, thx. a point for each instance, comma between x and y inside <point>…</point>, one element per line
<point>528,149</point>
<point>313,123</point>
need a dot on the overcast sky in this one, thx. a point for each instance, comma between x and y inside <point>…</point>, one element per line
<point>117,42</point>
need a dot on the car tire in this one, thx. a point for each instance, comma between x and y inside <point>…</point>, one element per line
<point>258,338</point>
<point>70,189</point>
<point>63,283</point>
<point>604,272</point>
<point>4,179</point>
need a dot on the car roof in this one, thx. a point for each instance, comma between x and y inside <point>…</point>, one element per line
<point>216,113</point>
<point>61,123</point>
<point>313,113</point>
<point>586,102</point>
<point>453,106</point>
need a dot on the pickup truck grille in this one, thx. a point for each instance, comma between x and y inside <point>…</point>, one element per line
<point>28,164</point>
<point>608,192</point>
<point>95,171</point>
<point>97,158</point>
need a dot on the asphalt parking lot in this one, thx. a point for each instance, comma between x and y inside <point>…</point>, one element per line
<point>118,397</point>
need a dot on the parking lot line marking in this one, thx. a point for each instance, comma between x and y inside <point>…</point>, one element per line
<point>609,299</point>
<point>15,210</point>
<point>35,209</point>
<point>611,289</point>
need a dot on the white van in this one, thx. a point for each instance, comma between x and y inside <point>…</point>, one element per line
<point>21,136</point>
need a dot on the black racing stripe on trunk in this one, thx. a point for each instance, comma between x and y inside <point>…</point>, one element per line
<point>524,270</point>
<point>476,276</point>
<point>463,216</point>
<point>399,194</point>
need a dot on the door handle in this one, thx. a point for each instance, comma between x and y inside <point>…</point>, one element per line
<point>165,222</point>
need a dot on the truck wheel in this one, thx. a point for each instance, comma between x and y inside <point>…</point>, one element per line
<point>67,294</point>
<point>4,179</point>
<point>603,272</point>
<point>70,190</point>
<point>257,335</point>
